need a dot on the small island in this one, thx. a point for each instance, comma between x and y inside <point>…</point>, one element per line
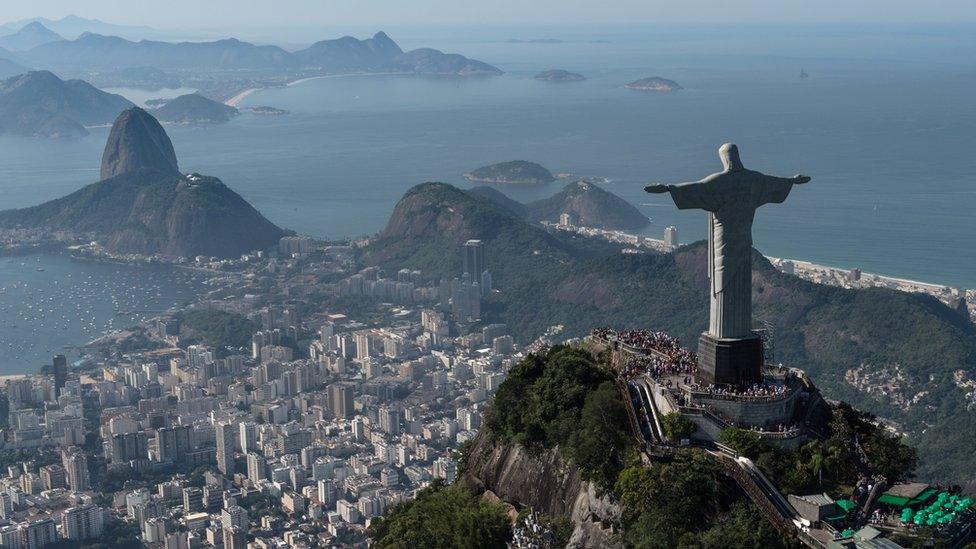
<point>265,110</point>
<point>515,172</point>
<point>559,75</point>
<point>534,41</point>
<point>194,108</point>
<point>655,84</point>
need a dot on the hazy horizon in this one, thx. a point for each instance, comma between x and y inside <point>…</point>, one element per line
<point>229,14</point>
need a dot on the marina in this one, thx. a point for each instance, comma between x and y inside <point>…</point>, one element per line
<point>51,303</point>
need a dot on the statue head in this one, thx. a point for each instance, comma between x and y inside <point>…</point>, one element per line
<point>729,154</point>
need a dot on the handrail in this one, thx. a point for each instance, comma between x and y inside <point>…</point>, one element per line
<point>653,407</point>
<point>631,414</point>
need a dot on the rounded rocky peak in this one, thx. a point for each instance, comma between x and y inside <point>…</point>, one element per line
<point>137,141</point>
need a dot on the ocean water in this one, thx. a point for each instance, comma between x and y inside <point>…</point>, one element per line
<point>51,303</point>
<point>885,124</point>
<point>140,96</point>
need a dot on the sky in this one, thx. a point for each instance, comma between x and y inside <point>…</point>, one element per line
<point>212,14</point>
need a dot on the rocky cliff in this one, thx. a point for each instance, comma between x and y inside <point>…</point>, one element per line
<point>544,482</point>
<point>145,205</point>
<point>137,141</point>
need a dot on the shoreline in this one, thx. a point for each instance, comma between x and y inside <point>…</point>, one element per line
<point>82,347</point>
<point>897,279</point>
<point>236,100</point>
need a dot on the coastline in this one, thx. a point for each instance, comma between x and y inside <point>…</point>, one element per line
<point>79,348</point>
<point>10,377</point>
<point>236,100</point>
<point>814,272</point>
<point>896,279</point>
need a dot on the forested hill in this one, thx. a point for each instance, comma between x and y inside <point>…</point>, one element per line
<point>546,279</point>
<point>588,204</point>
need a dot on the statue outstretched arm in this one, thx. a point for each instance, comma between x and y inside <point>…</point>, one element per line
<point>776,189</point>
<point>695,195</point>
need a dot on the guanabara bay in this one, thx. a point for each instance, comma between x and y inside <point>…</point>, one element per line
<point>505,275</point>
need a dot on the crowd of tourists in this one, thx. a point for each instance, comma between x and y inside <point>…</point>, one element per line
<point>658,368</point>
<point>660,354</point>
<point>755,390</point>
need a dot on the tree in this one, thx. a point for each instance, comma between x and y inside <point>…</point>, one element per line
<point>676,427</point>
<point>746,443</point>
<point>563,398</point>
<point>443,517</point>
<point>889,456</point>
<point>666,501</point>
<point>598,444</point>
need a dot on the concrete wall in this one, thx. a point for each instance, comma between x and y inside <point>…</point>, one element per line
<point>753,412</point>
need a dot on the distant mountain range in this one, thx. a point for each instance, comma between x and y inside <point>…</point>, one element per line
<point>553,278</point>
<point>39,104</point>
<point>588,204</point>
<point>143,204</point>
<point>72,26</point>
<point>97,52</point>
<point>30,36</point>
<point>8,68</point>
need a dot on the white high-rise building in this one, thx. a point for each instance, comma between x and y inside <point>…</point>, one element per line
<point>248,436</point>
<point>325,334</point>
<point>389,420</point>
<point>232,516</point>
<point>328,492</point>
<point>225,448</point>
<point>35,535</point>
<point>671,237</point>
<point>257,467</point>
<point>363,346</point>
<point>348,511</point>
<point>76,468</point>
<point>82,522</point>
<point>198,356</point>
<point>445,468</point>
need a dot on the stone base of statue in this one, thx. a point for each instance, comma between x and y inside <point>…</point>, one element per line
<point>729,361</point>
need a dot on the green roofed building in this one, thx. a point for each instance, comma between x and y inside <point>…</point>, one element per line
<point>908,494</point>
<point>844,508</point>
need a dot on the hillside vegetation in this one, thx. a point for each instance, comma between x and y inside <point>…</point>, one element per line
<point>547,279</point>
<point>565,398</point>
<point>442,517</point>
<point>516,172</point>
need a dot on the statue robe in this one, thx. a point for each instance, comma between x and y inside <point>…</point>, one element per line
<point>731,198</point>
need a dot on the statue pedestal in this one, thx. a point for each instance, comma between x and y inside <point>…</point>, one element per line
<point>735,361</point>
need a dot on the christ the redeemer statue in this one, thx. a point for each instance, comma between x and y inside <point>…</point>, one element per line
<point>730,197</point>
